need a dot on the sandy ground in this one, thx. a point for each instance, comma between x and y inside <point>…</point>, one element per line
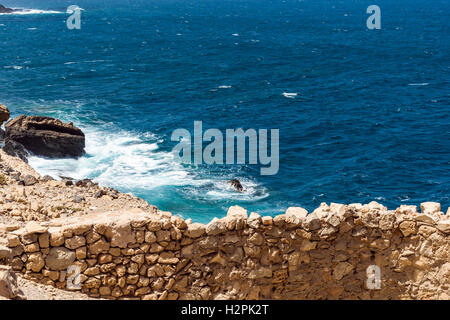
<point>36,291</point>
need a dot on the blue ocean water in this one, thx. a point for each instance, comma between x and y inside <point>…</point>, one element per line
<point>370,120</point>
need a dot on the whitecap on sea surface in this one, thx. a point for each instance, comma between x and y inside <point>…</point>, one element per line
<point>290,95</point>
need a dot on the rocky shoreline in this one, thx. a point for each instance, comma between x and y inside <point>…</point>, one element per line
<point>3,9</point>
<point>27,196</point>
<point>124,248</point>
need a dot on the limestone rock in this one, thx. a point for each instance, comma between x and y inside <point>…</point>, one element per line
<point>35,227</point>
<point>333,219</point>
<point>444,226</point>
<point>8,284</point>
<point>340,210</point>
<point>13,240</point>
<point>237,211</point>
<point>387,220</point>
<point>5,253</point>
<point>35,262</point>
<point>216,226</point>
<point>60,258</point>
<point>4,112</point>
<point>341,270</point>
<point>75,242</point>
<point>426,218</point>
<point>308,245</point>
<point>312,222</point>
<point>254,221</point>
<point>29,180</point>
<point>120,235</point>
<point>99,246</point>
<point>195,230</point>
<point>430,207</point>
<point>408,228</point>
<point>295,215</point>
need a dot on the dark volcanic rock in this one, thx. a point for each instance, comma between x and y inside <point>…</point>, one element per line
<point>3,9</point>
<point>46,136</point>
<point>15,149</point>
<point>237,185</point>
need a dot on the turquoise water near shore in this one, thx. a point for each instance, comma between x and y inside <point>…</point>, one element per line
<point>370,120</point>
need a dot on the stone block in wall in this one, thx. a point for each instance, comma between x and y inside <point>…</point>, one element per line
<point>60,258</point>
<point>430,207</point>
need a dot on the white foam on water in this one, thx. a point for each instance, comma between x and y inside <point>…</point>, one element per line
<point>418,84</point>
<point>119,159</point>
<point>13,67</point>
<point>31,11</point>
<point>134,162</point>
<point>290,95</point>
<point>224,190</point>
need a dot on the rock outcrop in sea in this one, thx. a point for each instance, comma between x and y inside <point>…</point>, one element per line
<point>236,184</point>
<point>3,9</point>
<point>124,248</point>
<point>44,136</point>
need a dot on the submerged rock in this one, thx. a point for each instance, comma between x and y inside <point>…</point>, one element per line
<point>46,136</point>
<point>236,184</point>
<point>3,9</point>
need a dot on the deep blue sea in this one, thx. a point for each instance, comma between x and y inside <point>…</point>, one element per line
<point>370,121</point>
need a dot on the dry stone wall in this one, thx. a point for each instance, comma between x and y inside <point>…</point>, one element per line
<point>324,254</point>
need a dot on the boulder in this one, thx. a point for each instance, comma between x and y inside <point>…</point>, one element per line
<point>295,215</point>
<point>59,259</point>
<point>215,227</point>
<point>195,230</point>
<point>5,253</point>
<point>237,211</point>
<point>4,112</point>
<point>8,284</point>
<point>46,136</point>
<point>3,9</point>
<point>444,226</point>
<point>29,180</point>
<point>430,207</point>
